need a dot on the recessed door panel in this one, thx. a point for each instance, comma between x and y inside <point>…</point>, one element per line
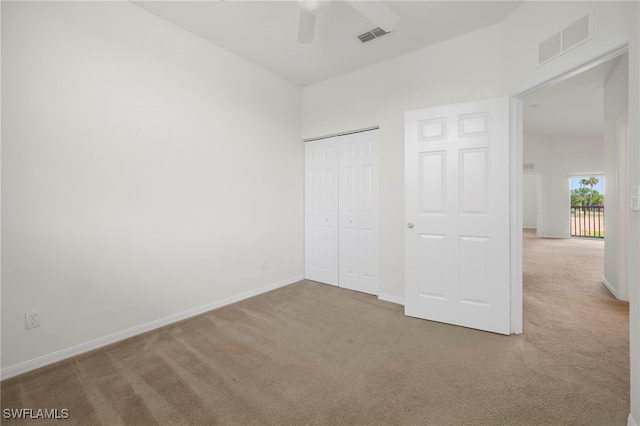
<point>432,182</point>
<point>474,125</point>
<point>313,252</point>
<point>349,257</point>
<point>473,269</point>
<point>433,130</point>
<point>432,258</point>
<point>474,185</point>
<point>367,146</point>
<point>350,188</point>
<point>367,189</point>
<point>328,190</point>
<point>368,256</point>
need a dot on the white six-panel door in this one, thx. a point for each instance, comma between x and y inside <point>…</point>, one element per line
<point>358,203</point>
<point>321,211</point>
<point>341,211</point>
<point>457,214</point>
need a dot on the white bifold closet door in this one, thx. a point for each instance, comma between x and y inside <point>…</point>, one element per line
<point>341,220</point>
<point>358,206</point>
<point>321,211</point>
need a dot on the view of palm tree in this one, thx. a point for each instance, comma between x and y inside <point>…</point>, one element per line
<point>585,195</point>
<point>587,208</point>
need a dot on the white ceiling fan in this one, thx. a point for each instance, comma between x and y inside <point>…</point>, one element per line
<point>373,10</point>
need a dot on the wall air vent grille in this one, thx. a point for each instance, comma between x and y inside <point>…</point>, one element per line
<point>571,36</point>
<point>576,33</point>
<point>372,35</point>
<point>550,48</point>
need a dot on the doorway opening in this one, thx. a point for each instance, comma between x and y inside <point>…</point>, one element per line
<point>559,155</point>
<point>571,136</point>
<point>577,286</point>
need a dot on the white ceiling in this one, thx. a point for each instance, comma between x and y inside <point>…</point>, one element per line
<point>265,32</point>
<point>573,107</point>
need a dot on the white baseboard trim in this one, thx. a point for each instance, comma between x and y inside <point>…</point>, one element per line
<point>611,288</point>
<point>63,354</point>
<point>529,227</point>
<point>630,421</point>
<point>393,299</point>
<point>555,236</point>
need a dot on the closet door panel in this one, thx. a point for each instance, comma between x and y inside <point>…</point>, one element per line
<point>321,211</point>
<point>358,205</point>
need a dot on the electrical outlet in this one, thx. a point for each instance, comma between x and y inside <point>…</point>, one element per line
<point>32,319</point>
<point>264,265</point>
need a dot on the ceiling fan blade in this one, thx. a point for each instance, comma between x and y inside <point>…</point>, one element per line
<point>377,13</point>
<point>306,27</point>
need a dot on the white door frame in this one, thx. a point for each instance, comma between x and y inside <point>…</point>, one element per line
<point>597,55</point>
<point>622,145</point>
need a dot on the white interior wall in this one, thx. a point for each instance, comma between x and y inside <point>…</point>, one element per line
<point>559,157</point>
<point>529,200</point>
<point>616,104</point>
<point>145,172</point>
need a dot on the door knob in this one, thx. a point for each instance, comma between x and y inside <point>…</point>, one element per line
<point>409,225</point>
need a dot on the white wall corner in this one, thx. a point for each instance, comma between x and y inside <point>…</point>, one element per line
<point>630,421</point>
<point>611,288</point>
<point>393,299</point>
<point>61,355</point>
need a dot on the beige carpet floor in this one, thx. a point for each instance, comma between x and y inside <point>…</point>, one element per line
<point>310,353</point>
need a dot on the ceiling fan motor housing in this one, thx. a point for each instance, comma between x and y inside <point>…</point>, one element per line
<point>312,7</point>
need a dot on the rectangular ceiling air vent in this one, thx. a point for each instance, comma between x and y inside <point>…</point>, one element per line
<point>371,35</point>
<point>379,32</point>
<point>571,36</point>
